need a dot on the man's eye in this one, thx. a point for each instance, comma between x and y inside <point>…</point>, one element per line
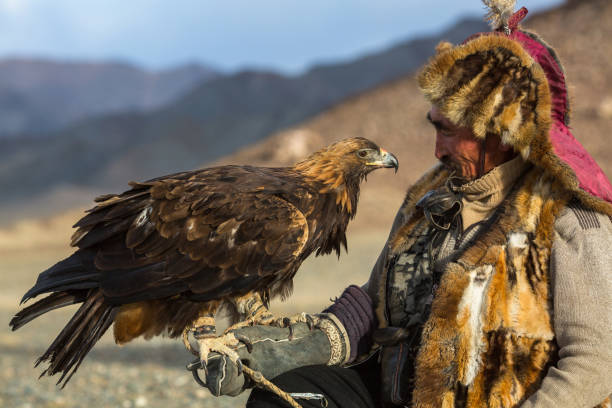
<point>442,130</point>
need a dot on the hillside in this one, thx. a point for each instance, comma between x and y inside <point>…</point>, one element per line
<point>38,96</point>
<point>393,115</point>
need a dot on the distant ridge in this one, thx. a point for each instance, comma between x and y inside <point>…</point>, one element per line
<point>216,118</point>
<point>43,95</point>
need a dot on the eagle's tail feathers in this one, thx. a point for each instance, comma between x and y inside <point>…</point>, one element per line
<point>51,302</point>
<point>75,272</point>
<point>77,338</point>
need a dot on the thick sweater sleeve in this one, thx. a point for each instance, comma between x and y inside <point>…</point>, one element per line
<point>354,311</point>
<point>581,271</point>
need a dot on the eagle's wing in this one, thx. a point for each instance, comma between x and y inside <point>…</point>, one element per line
<point>208,234</point>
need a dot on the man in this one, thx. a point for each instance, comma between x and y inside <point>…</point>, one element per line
<point>494,287</point>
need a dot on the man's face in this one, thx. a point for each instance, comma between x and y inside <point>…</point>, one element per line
<point>456,146</point>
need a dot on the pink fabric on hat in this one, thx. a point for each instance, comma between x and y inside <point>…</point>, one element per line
<point>590,176</point>
<point>556,78</point>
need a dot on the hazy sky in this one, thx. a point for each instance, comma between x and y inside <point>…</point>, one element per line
<point>287,35</point>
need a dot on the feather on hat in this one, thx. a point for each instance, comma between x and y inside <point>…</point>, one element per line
<point>500,12</point>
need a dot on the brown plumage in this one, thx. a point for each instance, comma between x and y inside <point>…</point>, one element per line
<point>155,258</point>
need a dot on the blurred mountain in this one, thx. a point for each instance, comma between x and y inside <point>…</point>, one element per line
<point>392,114</point>
<point>214,119</point>
<point>38,96</point>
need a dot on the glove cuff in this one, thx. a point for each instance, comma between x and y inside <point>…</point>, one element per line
<point>340,346</point>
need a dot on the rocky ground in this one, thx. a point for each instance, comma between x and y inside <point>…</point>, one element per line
<point>143,373</point>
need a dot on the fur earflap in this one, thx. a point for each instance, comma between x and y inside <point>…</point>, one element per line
<point>499,13</point>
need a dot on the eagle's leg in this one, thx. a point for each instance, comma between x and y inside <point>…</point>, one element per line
<point>257,313</point>
<point>203,327</point>
<point>205,333</point>
<point>225,345</point>
<point>252,311</point>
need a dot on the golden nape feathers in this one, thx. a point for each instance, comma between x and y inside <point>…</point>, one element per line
<point>499,12</point>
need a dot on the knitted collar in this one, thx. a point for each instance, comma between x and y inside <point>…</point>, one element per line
<point>484,194</point>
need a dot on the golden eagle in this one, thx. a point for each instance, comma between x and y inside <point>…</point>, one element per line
<point>163,256</point>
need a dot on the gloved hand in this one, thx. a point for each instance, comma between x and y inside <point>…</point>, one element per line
<point>273,351</point>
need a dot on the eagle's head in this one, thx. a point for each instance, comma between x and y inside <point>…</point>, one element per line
<point>360,156</point>
<point>341,166</point>
<point>351,158</point>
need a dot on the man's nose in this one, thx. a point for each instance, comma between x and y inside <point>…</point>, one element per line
<point>440,150</point>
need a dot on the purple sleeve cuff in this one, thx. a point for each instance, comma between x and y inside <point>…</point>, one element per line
<point>355,311</point>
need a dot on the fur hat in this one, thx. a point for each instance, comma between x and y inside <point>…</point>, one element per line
<point>510,83</point>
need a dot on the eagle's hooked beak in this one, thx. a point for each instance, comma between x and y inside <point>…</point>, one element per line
<point>386,160</point>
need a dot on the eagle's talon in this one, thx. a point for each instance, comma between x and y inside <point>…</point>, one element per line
<point>194,367</point>
<point>239,365</point>
<point>196,375</point>
<point>310,322</point>
<point>244,340</point>
<point>290,337</point>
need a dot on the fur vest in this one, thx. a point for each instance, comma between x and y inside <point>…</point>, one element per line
<point>488,340</point>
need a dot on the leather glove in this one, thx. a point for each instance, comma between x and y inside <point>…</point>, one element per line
<point>273,351</point>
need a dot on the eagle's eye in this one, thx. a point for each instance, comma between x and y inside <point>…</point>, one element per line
<point>363,153</point>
